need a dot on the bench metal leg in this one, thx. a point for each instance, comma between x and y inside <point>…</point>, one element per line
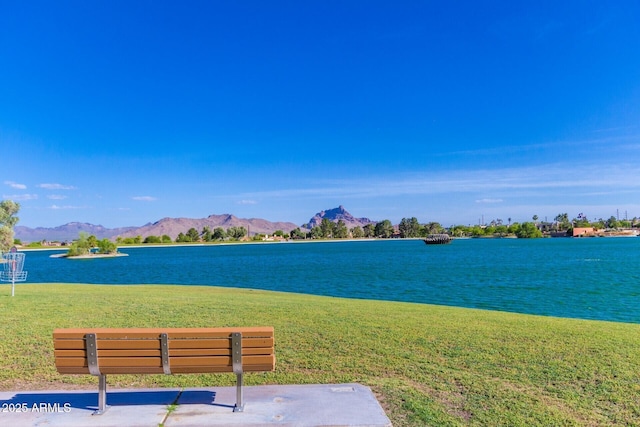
<point>102,395</point>
<point>239,402</point>
<point>236,358</point>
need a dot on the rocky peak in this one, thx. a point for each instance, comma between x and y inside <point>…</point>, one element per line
<point>337,214</point>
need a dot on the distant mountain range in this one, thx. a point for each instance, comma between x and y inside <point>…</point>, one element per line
<point>66,232</point>
<point>174,226</point>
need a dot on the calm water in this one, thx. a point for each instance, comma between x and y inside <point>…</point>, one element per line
<point>592,278</point>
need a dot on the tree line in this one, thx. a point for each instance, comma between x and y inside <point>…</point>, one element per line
<point>407,228</point>
<point>192,235</point>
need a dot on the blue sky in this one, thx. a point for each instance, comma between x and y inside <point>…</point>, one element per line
<point>121,113</point>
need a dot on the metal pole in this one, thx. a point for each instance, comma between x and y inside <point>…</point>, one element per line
<point>239,401</point>
<point>102,395</point>
<point>13,277</point>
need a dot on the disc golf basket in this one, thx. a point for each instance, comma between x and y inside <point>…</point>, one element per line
<point>12,263</point>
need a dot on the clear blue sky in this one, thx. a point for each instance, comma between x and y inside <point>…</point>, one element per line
<point>120,113</point>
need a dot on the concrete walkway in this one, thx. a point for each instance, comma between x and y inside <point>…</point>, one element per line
<point>277,405</point>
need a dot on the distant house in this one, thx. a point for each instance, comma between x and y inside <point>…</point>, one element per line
<point>545,227</point>
<point>584,232</point>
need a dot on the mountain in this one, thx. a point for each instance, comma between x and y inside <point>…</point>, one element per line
<point>337,214</point>
<point>174,226</point>
<point>169,226</point>
<point>66,232</point>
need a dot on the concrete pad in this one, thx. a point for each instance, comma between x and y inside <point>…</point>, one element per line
<point>351,405</point>
<point>333,405</point>
<point>132,408</point>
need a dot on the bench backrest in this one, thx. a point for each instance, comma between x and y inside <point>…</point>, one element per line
<point>162,350</point>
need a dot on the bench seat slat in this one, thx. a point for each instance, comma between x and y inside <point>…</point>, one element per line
<point>219,343</point>
<point>70,344</point>
<point>79,343</point>
<point>109,353</point>
<point>173,333</point>
<point>128,362</point>
<point>156,353</point>
<point>213,369</point>
<point>111,361</point>
<point>178,352</point>
<point>75,370</point>
<point>221,360</point>
<point>112,344</point>
<point>78,370</point>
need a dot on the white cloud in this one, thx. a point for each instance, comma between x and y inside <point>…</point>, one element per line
<point>16,185</point>
<point>20,197</point>
<point>144,198</point>
<point>56,207</point>
<point>489,201</point>
<point>247,202</point>
<point>56,187</point>
<point>56,197</point>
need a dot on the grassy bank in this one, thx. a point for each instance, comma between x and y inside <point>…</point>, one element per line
<point>428,365</point>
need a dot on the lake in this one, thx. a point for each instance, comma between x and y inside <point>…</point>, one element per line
<point>589,278</point>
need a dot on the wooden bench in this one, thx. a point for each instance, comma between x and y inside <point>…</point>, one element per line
<point>102,351</point>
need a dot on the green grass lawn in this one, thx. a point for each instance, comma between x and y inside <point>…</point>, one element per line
<point>428,365</point>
